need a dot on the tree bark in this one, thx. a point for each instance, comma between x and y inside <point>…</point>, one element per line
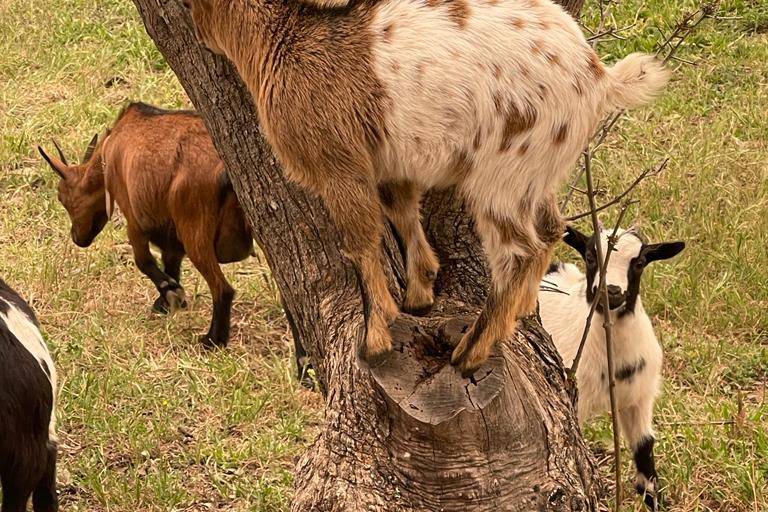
<point>410,434</point>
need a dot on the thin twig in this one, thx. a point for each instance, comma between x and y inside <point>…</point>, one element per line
<point>650,172</point>
<point>720,423</point>
<point>608,326</point>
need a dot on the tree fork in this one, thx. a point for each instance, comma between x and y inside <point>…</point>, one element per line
<point>410,434</point>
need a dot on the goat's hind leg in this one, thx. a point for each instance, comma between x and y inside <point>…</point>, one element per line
<point>401,201</point>
<point>44,498</point>
<point>518,251</point>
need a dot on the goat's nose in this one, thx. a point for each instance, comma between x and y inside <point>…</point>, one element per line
<point>614,290</point>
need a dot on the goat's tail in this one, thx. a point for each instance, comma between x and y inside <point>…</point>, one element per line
<point>635,81</point>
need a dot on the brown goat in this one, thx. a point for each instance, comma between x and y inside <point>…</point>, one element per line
<point>496,98</point>
<point>162,170</point>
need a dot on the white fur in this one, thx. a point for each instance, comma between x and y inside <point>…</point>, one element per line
<point>25,330</point>
<point>564,313</point>
<point>443,78</point>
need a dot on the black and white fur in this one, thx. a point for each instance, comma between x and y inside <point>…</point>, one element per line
<point>28,443</point>
<point>565,299</point>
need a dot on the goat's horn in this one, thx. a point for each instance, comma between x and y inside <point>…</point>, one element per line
<point>61,153</point>
<point>50,162</point>
<point>91,147</point>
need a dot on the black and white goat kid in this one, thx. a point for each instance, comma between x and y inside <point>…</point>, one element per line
<point>28,441</point>
<point>565,299</point>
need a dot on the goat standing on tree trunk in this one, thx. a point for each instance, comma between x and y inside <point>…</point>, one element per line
<point>394,96</point>
<point>165,175</point>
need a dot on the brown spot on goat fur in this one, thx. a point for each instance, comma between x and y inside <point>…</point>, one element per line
<point>395,67</point>
<point>553,59</point>
<point>595,66</point>
<point>518,23</point>
<point>420,67</point>
<point>516,122</point>
<point>537,47</point>
<point>461,166</point>
<point>496,71</point>
<point>509,231</point>
<point>459,12</point>
<point>497,101</point>
<point>478,139</point>
<point>387,32</point>
<point>523,149</point>
<point>561,133</point>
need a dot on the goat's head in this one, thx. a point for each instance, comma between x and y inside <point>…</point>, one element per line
<point>82,191</point>
<point>204,18</point>
<point>628,259</point>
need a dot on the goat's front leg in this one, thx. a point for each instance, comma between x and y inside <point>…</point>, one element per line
<point>401,201</point>
<point>169,288</point>
<point>355,208</point>
<point>637,426</point>
<point>518,251</point>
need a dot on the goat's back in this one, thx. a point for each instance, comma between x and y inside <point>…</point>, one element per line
<point>155,158</point>
<point>27,378</point>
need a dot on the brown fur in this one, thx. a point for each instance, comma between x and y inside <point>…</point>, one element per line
<point>163,172</point>
<point>515,123</point>
<point>561,133</point>
<point>595,66</point>
<point>459,12</point>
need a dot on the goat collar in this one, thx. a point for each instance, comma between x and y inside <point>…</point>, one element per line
<point>108,199</point>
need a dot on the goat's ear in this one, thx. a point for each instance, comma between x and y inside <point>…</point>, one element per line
<point>576,239</point>
<point>61,168</point>
<point>662,251</point>
<point>91,148</point>
<point>326,4</point>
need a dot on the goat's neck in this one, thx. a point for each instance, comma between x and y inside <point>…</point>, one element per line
<point>93,178</point>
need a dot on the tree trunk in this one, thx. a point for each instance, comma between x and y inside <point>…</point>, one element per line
<point>410,434</point>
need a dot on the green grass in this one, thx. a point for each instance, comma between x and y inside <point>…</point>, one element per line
<point>151,422</point>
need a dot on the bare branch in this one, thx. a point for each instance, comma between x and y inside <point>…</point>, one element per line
<point>607,325</point>
<point>649,172</point>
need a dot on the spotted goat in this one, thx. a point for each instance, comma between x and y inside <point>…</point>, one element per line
<point>565,299</point>
<point>162,170</point>
<point>382,99</point>
<point>28,442</point>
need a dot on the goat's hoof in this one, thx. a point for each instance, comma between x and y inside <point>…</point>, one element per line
<point>377,346</point>
<point>418,309</point>
<point>419,299</point>
<point>161,306</point>
<point>173,294</point>
<point>650,497</point>
<point>468,359</point>
<point>212,342</point>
